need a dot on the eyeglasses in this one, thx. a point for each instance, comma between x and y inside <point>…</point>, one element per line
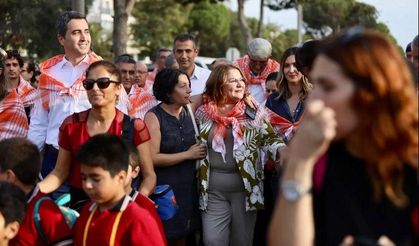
<point>271,91</point>
<point>257,62</point>
<point>102,83</point>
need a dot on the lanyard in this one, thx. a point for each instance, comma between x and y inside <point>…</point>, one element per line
<point>114,227</point>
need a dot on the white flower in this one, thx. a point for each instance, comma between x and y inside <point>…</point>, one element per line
<point>247,185</point>
<point>242,153</point>
<point>248,167</point>
<point>263,128</point>
<point>256,195</point>
<point>204,184</point>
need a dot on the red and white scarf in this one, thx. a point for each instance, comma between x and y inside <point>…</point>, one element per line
<point>140,102</point>
<point>243,64</point>
<point>13,120</point>
<point>50,88</point>
<point>26,92</point>
<point>234,119</point>
<point>282,125</point>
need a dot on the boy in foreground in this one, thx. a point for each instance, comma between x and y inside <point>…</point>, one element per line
<point>111,218</point>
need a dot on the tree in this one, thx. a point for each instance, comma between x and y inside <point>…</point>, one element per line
<point>209,22</point>
<point>101,43</point>
<point>323,17</point>
<point>25,25</point>
<point>157,23</point>
<point>247,36</point>
<point>122,9</point>
<point>261,8</point>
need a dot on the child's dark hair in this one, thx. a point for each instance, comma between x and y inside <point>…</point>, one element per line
<point>272,76</point>
<point>12,202</point>
<point>134,156</point>
<point>22,157</point>
<point>106,151</point>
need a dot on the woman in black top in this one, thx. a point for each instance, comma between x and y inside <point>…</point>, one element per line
<point>175,151</point>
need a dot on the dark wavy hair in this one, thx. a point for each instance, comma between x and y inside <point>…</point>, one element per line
<point>385,101</point>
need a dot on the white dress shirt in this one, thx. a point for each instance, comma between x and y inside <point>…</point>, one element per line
<point>199,79</point>
<point>45,124</point>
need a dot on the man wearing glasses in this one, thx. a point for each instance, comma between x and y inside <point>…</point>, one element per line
<point>256,66</point>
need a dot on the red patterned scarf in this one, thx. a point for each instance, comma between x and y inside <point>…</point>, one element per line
<point>282,125</point>
<point>13,121</point>
<point>140,102</point>
<point>50,88</point>
<point>243,64</point>
<point>26,92</point>
<point>233,119</point>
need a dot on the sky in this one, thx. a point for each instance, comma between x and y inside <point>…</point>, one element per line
<point>400,16</point>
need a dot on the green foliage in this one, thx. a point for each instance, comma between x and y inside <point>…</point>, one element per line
<point>31,25</point>
<point>340,14</point>
<point>101,42</point>
<point>281,40</point>
<point>157,23</point>
<point>209,22</point>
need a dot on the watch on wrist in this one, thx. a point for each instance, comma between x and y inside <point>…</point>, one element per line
<point>293,191</point>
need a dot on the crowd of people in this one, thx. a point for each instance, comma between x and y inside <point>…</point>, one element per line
<point>320,148</point>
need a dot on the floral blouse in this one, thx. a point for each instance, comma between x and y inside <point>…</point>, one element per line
<point>258,135</point>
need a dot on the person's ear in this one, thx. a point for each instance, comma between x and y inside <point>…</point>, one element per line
<point>135,172</point>
<point>121,177</point>
<point>10,176</point>
<point>11,230</point>
<point>60,39</point>
<point>118,88</point>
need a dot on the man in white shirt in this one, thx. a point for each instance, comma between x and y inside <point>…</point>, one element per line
<point>186,50</point>
<point>60,89</point>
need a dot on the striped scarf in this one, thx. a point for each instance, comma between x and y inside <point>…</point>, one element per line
<point>140,102</point>
<point>282,125</point>
<point>51,89</point>
<point>13,120</point>
<point>26,92</point>
<point>243,64</point>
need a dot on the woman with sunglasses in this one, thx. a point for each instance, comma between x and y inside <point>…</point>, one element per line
<point>350,173</point>
<point>103,86</point>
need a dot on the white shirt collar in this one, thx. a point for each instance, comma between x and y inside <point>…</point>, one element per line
<point>64,62</point>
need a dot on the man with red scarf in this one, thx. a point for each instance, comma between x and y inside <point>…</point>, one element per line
<point>256,66</point>
<point>60,88</point>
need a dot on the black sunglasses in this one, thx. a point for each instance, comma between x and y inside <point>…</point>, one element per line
<point>102,83</point>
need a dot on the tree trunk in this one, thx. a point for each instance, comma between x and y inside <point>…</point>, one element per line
<point>262,3</point>
<point>247,35</point>
<point>78,5</point>
<point>122,9</point>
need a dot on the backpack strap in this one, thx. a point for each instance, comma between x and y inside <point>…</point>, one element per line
<point>128,130</point>
<point>37,218</point>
